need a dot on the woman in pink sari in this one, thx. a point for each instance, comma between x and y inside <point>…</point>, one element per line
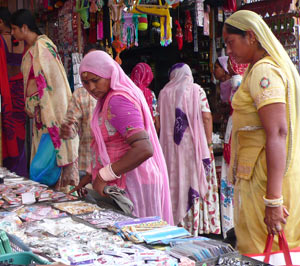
<point>126,148</point>
<point>142,76</point>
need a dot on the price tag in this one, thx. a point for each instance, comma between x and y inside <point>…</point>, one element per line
<point>28,198</point>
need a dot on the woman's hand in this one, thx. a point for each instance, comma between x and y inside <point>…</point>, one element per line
<point>99,185</point>
<point>67,130</point>
<point>81,186</point>
<point>274,217</point>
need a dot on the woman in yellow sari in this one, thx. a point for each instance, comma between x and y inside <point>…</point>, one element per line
<point>47,94</point>
<point>265,137</point>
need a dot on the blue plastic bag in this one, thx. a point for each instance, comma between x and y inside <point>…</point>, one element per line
<point>43,168</point>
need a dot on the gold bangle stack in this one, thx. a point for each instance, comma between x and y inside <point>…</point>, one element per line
<point>273,202</point>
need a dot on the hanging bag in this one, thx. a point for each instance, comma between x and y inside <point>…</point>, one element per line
<point>161,11</point>
<point>284,257</point>
<point>44,168</point>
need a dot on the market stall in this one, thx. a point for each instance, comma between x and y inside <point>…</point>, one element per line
<point>62,228</point>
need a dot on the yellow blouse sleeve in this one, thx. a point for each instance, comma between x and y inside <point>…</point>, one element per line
<point>267,85</point>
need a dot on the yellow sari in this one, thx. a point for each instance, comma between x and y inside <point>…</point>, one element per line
<point>273,79</point>
<point>48,105</point>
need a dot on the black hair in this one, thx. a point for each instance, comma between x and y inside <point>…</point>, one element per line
<point>5,16</point>
<point>25,17</point>
<point>233,30</point>
<point>218,63</point>
<point>92,46</point>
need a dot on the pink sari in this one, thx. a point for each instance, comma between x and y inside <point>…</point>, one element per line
<point>183,140</point>
<point>142,76</point>
<point>149,200</point>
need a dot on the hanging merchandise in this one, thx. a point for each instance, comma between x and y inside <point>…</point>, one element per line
<point>130,29</point>
<point>206,22</point>
<point>106,26</point>
<point>93,28</point>
<point>155,30</point>
<point>119,47</point>
<point>76,59</point>
<point>195,38</point>
<point>143,22</point>
<point>96,5</point>
<point>49,5</point>
<point>100,34</point>
<point>230,5</point>
<point>179,35</point>
<point>173,3</point>
<point>199,9</point>
<point>214,3</point>
<point>82,7</point>
<point>116,15</point>
<point>161,11</point>
<point>188,27</point>
<point>128,3</point>
<point>59,4</point>
<point>93,6</point>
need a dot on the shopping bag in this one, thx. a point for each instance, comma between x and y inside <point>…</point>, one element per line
<point>284,257</point>
<point>44,168</point>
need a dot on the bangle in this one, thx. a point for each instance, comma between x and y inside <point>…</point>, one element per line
<point>210,144</point>
<point>113,173</point>
<point>273,202</point>
<point>108,174</point>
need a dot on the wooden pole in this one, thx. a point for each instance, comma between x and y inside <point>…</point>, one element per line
<point>79,42</point>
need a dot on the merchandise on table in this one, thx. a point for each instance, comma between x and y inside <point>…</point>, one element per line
<point>38,212</point>
<point>64,239</point>
<point>103,218</point>
<point>12,192</point>
<point>77,207</point>
<point>10,222</point>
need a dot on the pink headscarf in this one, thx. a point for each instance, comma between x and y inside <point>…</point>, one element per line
<point>101,64</point>
<point>142,76</point>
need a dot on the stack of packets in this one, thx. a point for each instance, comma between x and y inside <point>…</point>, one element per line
<point>134,256</point>
<point>200,249</point>
<point>103,218</point>
<point>10,222</point>
<point>67,241</point>
<point>38,213</point>
<point>77,207</point>
<point>151,230</point>
<point>12,192</point>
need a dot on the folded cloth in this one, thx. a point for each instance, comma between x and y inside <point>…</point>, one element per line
<point>118,196</point>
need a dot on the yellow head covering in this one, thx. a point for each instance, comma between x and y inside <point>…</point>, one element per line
<point>248,20</point>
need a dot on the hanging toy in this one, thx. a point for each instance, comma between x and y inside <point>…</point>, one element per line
<point>59,4</point>
<point>93,6</point>
<point>119,48</point>
<point>155,30</point>
<point>188,27</point>
<point>82,7</point>
<point>143,22</point>
<point>108,49</point>
<point>179,35</point>
<point>100,34</point>
<point>116,15</point>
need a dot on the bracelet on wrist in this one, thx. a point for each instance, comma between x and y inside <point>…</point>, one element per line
<point>107,174</point>
<point>273,202</point>
<point>210,144</point>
